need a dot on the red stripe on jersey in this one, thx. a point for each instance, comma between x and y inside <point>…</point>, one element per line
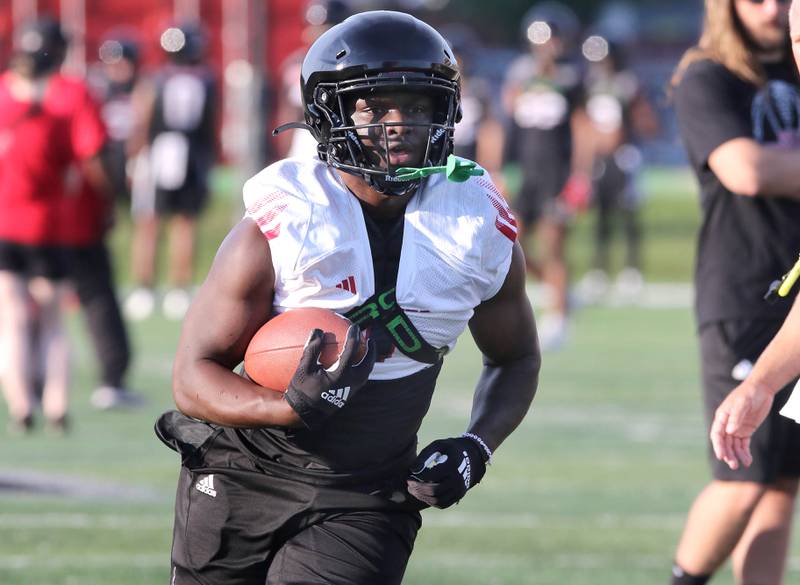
<point>352,282</point>
<point>271,214</point>
<point>505,221</point>
<point>273,233</point>
<point>505,229</point>
<point>266,220</point>
<point>266,200</point>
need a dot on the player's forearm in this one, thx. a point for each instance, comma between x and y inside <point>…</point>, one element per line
<point>502,398</point>
<point>95,172</point>
<point>751,169</point>
<point>779,363</point>
<point>209,391</point>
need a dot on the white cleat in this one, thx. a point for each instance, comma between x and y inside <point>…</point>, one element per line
<point>108,398</point>
<point>175,304</point>
<point>140,304</point>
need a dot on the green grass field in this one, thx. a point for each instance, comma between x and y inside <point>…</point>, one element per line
<point>591,489</point>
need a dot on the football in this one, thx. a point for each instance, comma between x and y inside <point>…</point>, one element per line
<point>275,350</point>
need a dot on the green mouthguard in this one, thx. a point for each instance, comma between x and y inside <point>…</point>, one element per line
<point>456,170</point>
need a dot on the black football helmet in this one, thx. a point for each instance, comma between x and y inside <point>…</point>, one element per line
<point>40,47</point>
<point>184,44</point>
<point>370,52</point>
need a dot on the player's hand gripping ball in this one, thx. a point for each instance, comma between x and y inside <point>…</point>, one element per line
<point>315,355</point>
<point>445,470</point>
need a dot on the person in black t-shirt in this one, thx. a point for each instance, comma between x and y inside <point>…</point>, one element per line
<point>746,408</point>
<point>737,102</point>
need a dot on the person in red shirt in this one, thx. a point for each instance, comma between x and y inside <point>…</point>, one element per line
<point>50,135</point>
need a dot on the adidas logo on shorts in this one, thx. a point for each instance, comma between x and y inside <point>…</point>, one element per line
<point>206,486</point>
<point>337,397</point>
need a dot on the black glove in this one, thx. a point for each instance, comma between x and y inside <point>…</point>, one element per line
<point>445,470</point>
<point>316,393</point>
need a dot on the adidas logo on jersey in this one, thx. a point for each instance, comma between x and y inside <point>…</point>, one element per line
<point>337,397</point>
<point>206,486</point>
<point>348,284</point>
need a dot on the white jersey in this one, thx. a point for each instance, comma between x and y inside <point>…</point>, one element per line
<point>456,249</point>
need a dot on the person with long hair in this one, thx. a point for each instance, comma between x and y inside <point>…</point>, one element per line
<point>747,407</point>
<point>738,108</point>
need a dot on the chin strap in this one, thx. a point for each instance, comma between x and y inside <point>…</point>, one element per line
<point>782,287</point>
<point>456,170</point>
<point>292,126</point>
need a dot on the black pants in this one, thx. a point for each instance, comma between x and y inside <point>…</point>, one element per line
<point>238,524</point>
<point>613,196</point>
<point>93,279</point>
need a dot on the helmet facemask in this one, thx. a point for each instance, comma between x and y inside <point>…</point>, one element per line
<point>341,141</point>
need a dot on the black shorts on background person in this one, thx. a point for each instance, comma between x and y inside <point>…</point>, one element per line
<point>728,350</point>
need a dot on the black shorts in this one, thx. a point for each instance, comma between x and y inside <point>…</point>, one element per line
<point>51,262</point>
<point>540,196</point>
<point>191,197</point>
<point>727,349</point>
<point>612,187</point>
<point>237,523</point>
<point>188,201</point>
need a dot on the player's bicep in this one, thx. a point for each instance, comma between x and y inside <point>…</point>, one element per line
<point>233,302</point>
<point>503,327</point>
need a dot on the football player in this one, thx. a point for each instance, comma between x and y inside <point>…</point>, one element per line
<point>288,487</point>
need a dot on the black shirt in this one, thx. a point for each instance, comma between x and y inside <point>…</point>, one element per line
<point>744,242</point>
<point>185,103</point>
<point>540,138</point>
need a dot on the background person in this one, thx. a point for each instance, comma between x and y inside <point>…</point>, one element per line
<point>479,134</point>
<point>736,98</point>
<point>113,80</point>
<point>355,463</point>
<point>174,142</point>
<point>50,133</point>
<point>319,16</point>
<point>541,93</point>
<point>616,116</point>
<point>89,215</point>
<point>748,405</point>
